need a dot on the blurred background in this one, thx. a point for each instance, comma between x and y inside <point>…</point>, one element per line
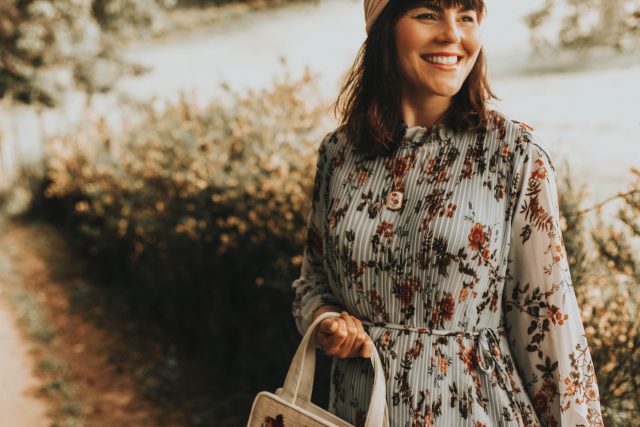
<point>155,185</point>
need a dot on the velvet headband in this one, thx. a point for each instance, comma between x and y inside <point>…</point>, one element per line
<point>372,9</point>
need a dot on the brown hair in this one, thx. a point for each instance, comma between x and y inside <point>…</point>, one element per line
<point>369,100</point>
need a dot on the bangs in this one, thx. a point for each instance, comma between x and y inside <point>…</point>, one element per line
<point>477,5</point>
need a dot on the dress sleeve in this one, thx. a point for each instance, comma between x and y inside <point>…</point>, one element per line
<point>542,318</point>
<point>311,289</point>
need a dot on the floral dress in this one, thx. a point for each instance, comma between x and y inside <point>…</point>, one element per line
<point>465,291</point>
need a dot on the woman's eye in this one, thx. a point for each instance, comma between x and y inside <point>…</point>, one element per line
<point>426,16</point>
<point>468,18</point>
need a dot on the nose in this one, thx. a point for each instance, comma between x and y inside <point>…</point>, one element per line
<point>449,31</point>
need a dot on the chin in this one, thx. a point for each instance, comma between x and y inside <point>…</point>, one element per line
<point>443,91</point>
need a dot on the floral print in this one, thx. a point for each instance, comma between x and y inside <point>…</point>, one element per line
<point>465,291</point>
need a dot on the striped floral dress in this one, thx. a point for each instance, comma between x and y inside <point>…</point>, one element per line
<point>465,291</point>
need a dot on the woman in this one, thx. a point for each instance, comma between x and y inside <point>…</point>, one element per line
<point>435,230</point>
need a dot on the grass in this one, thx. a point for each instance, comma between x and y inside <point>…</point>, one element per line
<point>67,409</point>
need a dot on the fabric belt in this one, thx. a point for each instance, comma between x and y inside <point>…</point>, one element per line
<point>487,347</point>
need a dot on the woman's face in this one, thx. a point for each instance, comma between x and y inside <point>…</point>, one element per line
<point>437,48</point>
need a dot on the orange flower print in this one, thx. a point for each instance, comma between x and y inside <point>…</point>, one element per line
<point>431,164</point>
<point>541,172</point>
<point>592,394</point>
<point>443,365</point>
<point>362,177</point>
<point>464,292</point>
<point>485,253</point>
<point>447,305</point>
<point>556,316</point>
<point>505,151</point>
<point>476,237</point>
<point>450,210</point>
<point>385,229</point>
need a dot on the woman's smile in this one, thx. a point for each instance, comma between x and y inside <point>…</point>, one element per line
<point>443,60</point>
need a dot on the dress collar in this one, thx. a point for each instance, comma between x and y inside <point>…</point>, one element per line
<point>422,134</point>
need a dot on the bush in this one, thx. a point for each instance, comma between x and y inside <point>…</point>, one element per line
<point>606,274</point>
<point>200,214</point>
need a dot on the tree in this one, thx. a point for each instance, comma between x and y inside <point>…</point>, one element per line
<point>586,24</point>
<point>47,46</point>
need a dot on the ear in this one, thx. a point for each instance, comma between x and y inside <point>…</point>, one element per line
<point>481,16</point>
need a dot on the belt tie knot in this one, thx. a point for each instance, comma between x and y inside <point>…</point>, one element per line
<point>488,350</point>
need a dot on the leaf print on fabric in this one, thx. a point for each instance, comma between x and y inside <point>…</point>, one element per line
<point>404,394</point>
<point>541,313</point>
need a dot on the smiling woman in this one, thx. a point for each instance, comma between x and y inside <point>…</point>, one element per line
<point>435,231</point>
<point>396,71</point>
<point>429,37</point>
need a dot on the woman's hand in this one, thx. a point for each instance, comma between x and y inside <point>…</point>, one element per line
<point>344,337</point>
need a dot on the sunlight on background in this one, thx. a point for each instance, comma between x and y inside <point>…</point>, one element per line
<point>588,115</point>
<point>192,215</point>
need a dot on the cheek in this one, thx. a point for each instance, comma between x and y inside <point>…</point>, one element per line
<point>407,39</point>
<point>473,42</point>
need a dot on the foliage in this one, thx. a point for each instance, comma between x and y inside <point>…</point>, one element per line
<point>40,40</point>
<point>199,214</point>
<point>50,47</point>
<point>586,24</point>
<point>606,275</point>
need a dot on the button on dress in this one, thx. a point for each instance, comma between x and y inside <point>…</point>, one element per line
<point>465,291</point>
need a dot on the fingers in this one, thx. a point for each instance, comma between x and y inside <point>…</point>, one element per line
<point>352,332</point>
<point>331,342</point>
<point>363,345</point>
<point>344,337</point>
<point>328,326</point>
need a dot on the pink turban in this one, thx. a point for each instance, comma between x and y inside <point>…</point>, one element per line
<point>372,9</point>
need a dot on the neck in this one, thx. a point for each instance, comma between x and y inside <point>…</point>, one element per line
<point>424,111</point>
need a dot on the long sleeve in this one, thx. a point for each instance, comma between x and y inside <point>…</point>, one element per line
<point>542,318</point>
<point>311,289</point>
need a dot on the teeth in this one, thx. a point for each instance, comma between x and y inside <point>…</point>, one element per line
<point>444,60</point>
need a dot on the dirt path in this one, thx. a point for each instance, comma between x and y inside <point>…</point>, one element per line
<point>19,406</point>
<point>96,366</point>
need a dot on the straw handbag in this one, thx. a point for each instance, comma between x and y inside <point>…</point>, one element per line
<point>291,404</point>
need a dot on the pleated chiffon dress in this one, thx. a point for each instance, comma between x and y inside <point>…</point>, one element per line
<point>465,291</point>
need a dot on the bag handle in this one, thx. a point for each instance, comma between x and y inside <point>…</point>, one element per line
<point>299,381</point>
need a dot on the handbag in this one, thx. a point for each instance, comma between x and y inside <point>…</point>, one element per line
<point>291,406</point>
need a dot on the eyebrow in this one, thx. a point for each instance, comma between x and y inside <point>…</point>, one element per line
<point>434,6</point>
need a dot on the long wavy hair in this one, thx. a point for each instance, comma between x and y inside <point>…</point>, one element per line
<point>369,101</point>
